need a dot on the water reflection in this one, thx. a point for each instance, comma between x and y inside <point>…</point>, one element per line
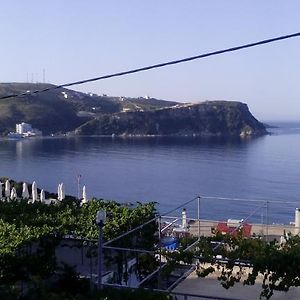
<point>169,170</point>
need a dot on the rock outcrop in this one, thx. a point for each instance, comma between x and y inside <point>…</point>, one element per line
<point>211,118</point>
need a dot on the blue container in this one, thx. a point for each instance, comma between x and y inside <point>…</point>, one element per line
<point>169,243</point>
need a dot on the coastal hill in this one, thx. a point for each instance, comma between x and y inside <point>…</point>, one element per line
<point>210,118</point>
<point>63,110</point>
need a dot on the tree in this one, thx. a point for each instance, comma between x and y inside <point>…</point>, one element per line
<point>245,260</point>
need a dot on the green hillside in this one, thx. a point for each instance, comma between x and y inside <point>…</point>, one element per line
<point>47,111</point>
<point>61,110</point>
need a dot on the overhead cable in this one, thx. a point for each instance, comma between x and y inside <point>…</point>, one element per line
<point>156,66</point>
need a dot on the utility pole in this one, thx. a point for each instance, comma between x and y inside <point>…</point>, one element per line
<point>100,220</point>
<point>44,75</point>
<point>78,186</point>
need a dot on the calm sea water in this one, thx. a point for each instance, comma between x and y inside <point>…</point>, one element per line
<point>169,171</point>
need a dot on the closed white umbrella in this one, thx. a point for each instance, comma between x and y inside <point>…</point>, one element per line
<point>34,192</point>
<point>184,220</point>
<point>84,195</point>
<point>42,196</point>
<point>13,194</point>
<point>62,191</point>
<point>25,193</point>
<point>7,189</point>
<point>59,192</point>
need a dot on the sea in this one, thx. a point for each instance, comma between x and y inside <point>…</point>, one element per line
<point>256,179</point>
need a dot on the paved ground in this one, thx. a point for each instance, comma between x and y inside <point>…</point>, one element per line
<point>258,229</point>
<point>212,287</point>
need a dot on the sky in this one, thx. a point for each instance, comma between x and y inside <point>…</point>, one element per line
<point>74,40</point>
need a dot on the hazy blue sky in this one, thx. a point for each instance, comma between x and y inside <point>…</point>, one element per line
<point>75,39</point>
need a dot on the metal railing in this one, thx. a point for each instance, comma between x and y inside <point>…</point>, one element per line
<point>176,295</point>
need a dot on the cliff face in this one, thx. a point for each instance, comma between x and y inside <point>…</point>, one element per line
<point>63,110</point>
<point>214,118</point>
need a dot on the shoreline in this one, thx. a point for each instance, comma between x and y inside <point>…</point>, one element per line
<point>140,136</point>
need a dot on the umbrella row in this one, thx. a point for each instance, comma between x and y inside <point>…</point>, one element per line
<point>11,193</point>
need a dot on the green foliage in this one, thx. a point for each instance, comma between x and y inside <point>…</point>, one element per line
<point>104,115</point>
<point>69,282</point>
<point>29,233</point>
<point>41,110</point>
<point>9,292</point>
<point>38,219</point>
<point>247,260</point>
<point>173,258</point>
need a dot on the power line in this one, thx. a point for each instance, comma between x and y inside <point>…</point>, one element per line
<point>279,201</point>
<point>156,66</point>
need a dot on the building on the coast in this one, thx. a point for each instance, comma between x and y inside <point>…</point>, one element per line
<point>23,127</point>
<point>26,129</point>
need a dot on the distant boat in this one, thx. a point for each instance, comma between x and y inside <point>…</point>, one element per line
<point>31,134</point>
<point>28,134</point>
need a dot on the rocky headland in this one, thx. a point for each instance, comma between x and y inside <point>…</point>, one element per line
<point>67,111</point>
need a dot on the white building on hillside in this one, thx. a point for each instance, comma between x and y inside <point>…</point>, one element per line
<point>26,129</point>
<point>23,127</point>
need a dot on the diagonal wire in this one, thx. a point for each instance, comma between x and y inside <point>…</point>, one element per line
<point>164,64</point>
